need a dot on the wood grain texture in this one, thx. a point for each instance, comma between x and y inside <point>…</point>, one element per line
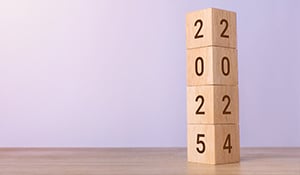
<point>213,106</point>
<point>211,28</point>
<point>137,161</point>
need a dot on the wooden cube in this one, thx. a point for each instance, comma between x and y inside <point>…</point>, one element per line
<point>211,27</point>
<point>213,144</point>
<point>212,66</point>
<point>212,105</point>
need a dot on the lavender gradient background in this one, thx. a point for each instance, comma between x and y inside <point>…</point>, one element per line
<point>111,73</point>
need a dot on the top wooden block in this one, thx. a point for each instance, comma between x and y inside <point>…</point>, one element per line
<point>211,27</point>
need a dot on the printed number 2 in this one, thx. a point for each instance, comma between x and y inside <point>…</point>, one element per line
<point>225,111</point>
<point>199,21</point>
<point>225,28</point>
<point>199,112</point>
<point>197,35</point>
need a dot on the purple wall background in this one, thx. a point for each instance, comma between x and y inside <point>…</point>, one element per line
<point>112,73</point>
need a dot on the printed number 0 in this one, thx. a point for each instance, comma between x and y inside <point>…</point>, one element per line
<point>227,71</point>
<point>202,66</point>
<point>199,141</point>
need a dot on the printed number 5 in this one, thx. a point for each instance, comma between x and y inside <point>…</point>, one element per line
<point>199,141</point>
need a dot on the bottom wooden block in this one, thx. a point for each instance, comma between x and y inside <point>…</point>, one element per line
<point>213,144</point>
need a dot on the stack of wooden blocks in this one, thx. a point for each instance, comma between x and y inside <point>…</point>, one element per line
<point>212,87</point>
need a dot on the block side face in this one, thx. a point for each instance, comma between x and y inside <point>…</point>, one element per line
<point>227,143</point>
<point>224,28</point>
<point>226,105</point>
<point>199,66</point>
<point>238,106</point>
<point>199,104</point>
<point>198,29</point>
<point>200,147</point>
<point>225,68</point>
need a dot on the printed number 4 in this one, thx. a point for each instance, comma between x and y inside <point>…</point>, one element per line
<point>227,144</point>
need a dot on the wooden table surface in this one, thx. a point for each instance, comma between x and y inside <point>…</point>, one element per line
<point>137,161</point>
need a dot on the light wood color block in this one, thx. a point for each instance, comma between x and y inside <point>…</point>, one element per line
<point>212,66</point>
<point>213,144</point>
<point>211,27</point>
<point>212,105</point>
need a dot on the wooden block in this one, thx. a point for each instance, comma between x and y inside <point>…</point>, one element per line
<point>211,27</point>
<point>212,66</point>
<point>212,105</point>
<point>213,144</point>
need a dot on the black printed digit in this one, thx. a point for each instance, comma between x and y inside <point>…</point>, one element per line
<point>200,142</point>
<point>225,28</point>
<point>199,71</point>
<point>198,35</point>
<point>227,144</point>
<point>227,98</point>
<point>225,65</point>
<point>199,112</point>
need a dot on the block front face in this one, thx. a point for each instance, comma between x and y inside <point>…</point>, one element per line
<point>199,28</point>
<point>212,105</point>
<point>211,27</point>
<point>213,144</point>
<point>201,144</point>
<point>199,66</point>
<point>212,66</point>
<point>200,107</point>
